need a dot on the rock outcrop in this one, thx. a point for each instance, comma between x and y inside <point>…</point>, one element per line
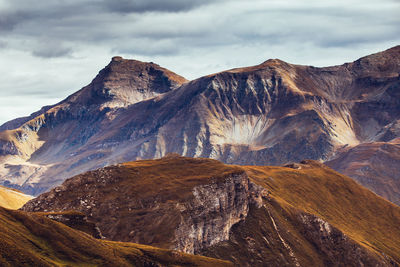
<point>200,216</point>
<point>209,217</point>
<point>302,215</point>
<point>337,246</point>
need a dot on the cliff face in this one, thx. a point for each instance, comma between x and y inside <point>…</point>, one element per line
<point>216,207</point>
<point>268,114</point>
<point>251,216</point>
<point>196,216</point>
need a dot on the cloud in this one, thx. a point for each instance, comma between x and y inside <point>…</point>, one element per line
<point>140,6</point>
<point>52,48</point>
<point>3,44</point>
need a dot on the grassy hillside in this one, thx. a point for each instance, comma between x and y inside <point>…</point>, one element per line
<point>312,216</point>
<point>314,188</point>
<point>12,199</point>
<point>29,239</point>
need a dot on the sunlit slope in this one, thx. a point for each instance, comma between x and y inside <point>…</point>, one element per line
<point>12,199</point>
<point>33,240</point>
<point>304,214</point>
<point>314,188</point>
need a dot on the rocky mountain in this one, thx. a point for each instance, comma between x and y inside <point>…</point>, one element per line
<point>12,199</point>
<point>42,145</point>
<point>29,239</point>
<point>304,214</point>
<point>269,114</point>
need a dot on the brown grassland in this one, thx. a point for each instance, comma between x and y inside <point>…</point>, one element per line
<point>364,216</point>
<point>29,239</point>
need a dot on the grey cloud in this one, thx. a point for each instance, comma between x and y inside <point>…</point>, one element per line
<point>165,47</point>
<point>195,36</point>
<point>3,44</point>
<point>48,48</point>
<point>52,52</point>
<point>98,22</point>
<point>9,20</point>
<point>139,6</point>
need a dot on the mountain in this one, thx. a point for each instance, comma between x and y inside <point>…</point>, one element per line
<point>29,239</point>
<point>270,114</point>
<point>35,149</point>
<point>304,214</point>
<point>12,199</point>
<point>374,165</point>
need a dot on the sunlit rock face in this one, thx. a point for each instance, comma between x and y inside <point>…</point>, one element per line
<point>269,114</point>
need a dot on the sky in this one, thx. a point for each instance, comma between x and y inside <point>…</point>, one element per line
<point>51,48</point>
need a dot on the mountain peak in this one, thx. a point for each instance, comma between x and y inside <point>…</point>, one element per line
<point>273,61</point>
<point>124,82</point>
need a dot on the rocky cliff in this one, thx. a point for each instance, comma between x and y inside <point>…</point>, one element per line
<point>197,216</point>
<point>303,215</point>
<point>268,114</point>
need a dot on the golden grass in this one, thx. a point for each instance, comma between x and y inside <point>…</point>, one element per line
<point>362,215</point>
<point>12,199</point>
<point>174,177</point>
<point>29,239</point>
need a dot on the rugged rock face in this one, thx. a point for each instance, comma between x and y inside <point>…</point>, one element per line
<point>268,114</point>
<point>310,242</point>
<point>251,216</point>
<point>337,246</point>
<point>208,219</point>
<point>202,215</point>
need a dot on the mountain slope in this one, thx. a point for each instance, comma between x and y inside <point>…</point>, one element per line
<point>306,213</point>
<point>33,240</point>
<point>272,113</point>
<point>37,146</point>
<point>374,165</point>
<point>12,199</point>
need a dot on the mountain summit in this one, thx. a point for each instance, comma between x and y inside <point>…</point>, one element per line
<point>269,114</point>
<point>124,82</point>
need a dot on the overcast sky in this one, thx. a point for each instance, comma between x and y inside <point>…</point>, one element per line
<point>51,48</point>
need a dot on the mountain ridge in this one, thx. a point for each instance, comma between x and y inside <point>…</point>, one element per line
<point>271,113</point>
